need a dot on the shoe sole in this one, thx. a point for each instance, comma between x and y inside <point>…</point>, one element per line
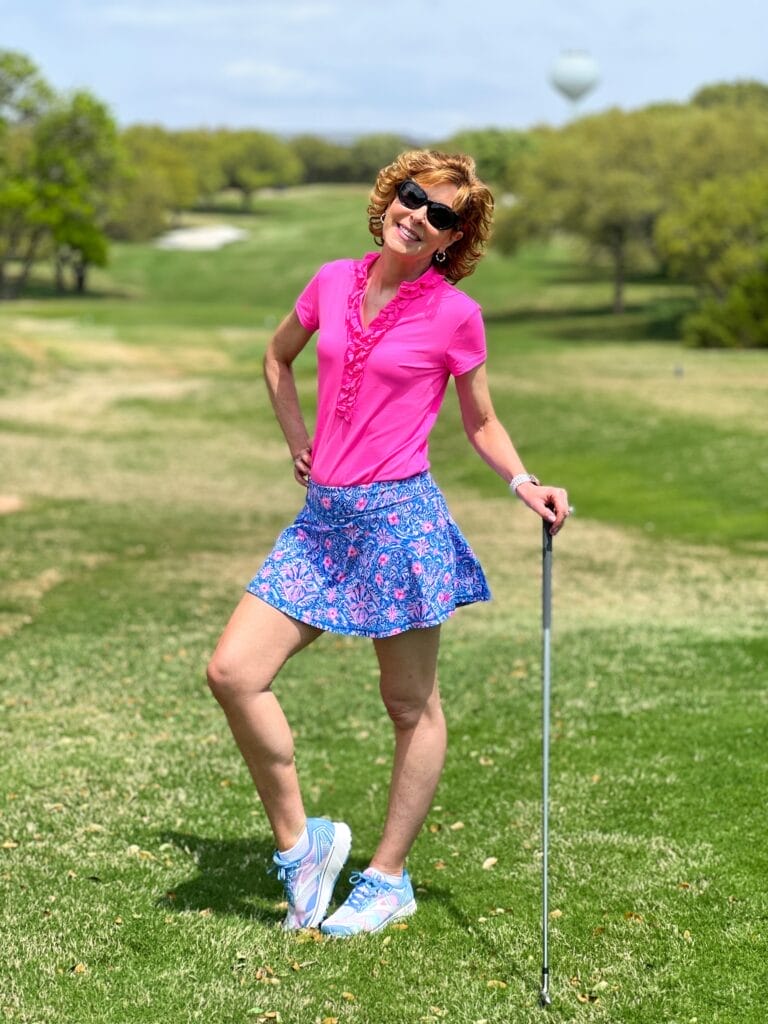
<point>335,861</point>
<point>406,911</point>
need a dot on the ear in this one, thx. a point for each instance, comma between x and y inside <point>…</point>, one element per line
<point>455,237</point>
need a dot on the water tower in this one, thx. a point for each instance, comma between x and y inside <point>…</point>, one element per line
<point>574,74</point>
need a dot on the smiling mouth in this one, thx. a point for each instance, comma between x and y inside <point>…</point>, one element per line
<point>410,235</point>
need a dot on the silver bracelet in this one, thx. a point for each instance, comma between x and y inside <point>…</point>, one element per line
<point>522,478</point>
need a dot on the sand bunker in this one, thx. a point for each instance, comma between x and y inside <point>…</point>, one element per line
<point>201,239</point>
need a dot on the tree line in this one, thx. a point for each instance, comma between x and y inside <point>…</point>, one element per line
<point>680,189</point>
<point>677,189</point>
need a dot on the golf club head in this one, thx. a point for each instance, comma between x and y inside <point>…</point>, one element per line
<point>545,999</point>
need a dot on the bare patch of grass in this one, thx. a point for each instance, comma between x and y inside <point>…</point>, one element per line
<point>609,576</point>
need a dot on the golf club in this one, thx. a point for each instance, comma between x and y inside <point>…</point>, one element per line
<point>546,668</point>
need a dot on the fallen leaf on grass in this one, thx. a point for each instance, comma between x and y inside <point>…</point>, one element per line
<point>486,762</point>
<point>349,996</point>
<point>489,863</point>
<point>631,915</point>
<point>555,913</point>
<point>400,926</point>
<point>456,826</point>
<point>78,968</point>
<point>495,983</point>
<point>296,966</point>
<point>587,997</point>
<point>9,844</point>
<point>439,865</point>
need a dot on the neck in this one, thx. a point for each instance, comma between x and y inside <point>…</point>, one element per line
<point>391,269</point>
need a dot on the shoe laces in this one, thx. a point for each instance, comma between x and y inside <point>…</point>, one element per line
<point>286,873</point>
<point>366,888</point>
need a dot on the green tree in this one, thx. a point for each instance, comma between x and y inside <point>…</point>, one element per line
<point>74,165</point>
<point>200,151</point>
<point>24,93</point>
<point>498,152</point>
<point>716,237</point>
<point>739,321</point>
<point>152,151</point>
<point>596,179</point>
<point>746,93</point>
<point>251,160</point>
<point>716,231</point>
<point>369,153</point>
<point>321,159</point>
<point>607,179</point>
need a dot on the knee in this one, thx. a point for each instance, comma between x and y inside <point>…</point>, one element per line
<point>219,677</point>
<point>228,680</point>
<point>407,714</point>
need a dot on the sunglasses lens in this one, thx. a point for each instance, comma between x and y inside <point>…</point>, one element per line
<point>411,195</point>
<point>441,217</point>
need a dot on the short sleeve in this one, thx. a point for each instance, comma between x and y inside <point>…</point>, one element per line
<point>307,306</point>
<point>467,348</point>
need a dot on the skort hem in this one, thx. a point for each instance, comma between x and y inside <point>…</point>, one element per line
<point>361,632</point>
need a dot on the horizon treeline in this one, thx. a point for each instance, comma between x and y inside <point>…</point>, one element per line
<point>679,189</point>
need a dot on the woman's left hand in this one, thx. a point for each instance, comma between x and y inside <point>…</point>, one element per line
<point>302,464</point>
<point>551,503</point>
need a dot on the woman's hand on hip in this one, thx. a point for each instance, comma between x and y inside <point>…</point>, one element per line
<point>302,464</point>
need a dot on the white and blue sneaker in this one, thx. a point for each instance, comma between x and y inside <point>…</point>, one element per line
<point>372,905</point>
<point>309,882</point>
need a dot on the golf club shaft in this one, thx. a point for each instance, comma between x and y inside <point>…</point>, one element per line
<point>546,668</point>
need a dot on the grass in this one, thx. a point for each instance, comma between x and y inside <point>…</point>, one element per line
<point>148,479</point>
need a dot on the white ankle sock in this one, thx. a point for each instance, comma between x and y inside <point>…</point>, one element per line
<point>396,880</point>
<point>300,848</point>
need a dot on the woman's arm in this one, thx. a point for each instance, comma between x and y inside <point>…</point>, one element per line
<point>288,341</point>
<point>491,441</point>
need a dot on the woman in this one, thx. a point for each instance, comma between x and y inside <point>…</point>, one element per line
<point>374,552</point>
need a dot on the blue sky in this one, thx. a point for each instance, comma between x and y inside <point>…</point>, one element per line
<point>343,68</point>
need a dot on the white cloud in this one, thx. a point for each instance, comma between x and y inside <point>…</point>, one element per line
<point>146,14</point>
<point>273,79</point>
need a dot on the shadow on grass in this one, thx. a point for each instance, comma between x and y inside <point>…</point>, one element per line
<point>41,289</point>
<point>639,322</point>
<point>232,878</point>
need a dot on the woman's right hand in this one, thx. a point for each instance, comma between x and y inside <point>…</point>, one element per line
<point>302,464</point>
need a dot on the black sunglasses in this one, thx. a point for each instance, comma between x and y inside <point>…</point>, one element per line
<point>440,216</point>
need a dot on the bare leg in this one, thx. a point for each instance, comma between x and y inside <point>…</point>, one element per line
<point>255,645</point>
<point>408,664</point>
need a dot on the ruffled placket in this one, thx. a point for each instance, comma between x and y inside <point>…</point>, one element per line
<point>361,341</point>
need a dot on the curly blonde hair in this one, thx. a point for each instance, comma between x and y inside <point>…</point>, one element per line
<point>473,203</point>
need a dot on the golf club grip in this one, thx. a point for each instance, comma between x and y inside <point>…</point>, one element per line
<point>546,577</point>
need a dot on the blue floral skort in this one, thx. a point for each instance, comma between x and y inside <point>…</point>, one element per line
<point>372,560</point>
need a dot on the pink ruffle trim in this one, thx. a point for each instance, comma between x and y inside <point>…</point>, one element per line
<point>360,340</point>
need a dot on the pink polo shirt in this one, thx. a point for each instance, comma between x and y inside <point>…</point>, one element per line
<point>380,388</point>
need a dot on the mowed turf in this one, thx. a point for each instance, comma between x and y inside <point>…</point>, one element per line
<point>142,479</point>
